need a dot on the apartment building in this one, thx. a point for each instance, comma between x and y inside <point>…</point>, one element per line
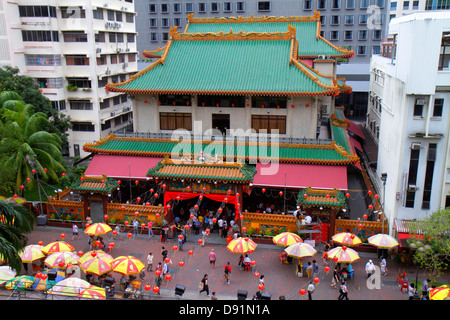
<point>409,114</point>
<point>73,49</point>
<point>353,24</point>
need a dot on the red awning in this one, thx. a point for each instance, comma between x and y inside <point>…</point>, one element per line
<point>121,166</point>
<point>301,176</point>
<point>355,129</point>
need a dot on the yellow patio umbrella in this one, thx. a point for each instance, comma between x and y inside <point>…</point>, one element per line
<point>20,282</point>
<point>94,254</point>
<point>285,239</point>
<point>70,287</point>
<point>6,274</point>
<point>57,246</point>
<point>32,253</point>
<point>97,229</point>
<point>383,241</point>
<point>93,292</point>
<point>17,199</point>
<point>127,265</point>
<point>440,293</point>
<point>241,245</point>
<point>343,254</point>
<point>61,259</point>
<point>98,265</point>
<point>346,239</point>
<point>300,250</point>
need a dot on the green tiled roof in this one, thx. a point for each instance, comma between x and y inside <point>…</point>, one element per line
<point>339,127</point>
<point>316,198</point>
<point>247,65</point>
<point>102,185</point>
<point>308,43</point>
<point>286,153</point>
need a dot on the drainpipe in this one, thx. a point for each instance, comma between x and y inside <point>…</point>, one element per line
<point>427,121</point>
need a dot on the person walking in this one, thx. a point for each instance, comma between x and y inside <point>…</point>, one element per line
<point>425,289</point>
<point>227,273</point>
<point>150,262</point>
<point>164,253</point>
<point>315,269</point>
<point>150,230</point>
<point>262,283</point>
<point>370,268</point>
<point>212,258</point>
<point>383,266</point>
<point>343,292</point>
<point>181,241</point>
<point>75,231</point>
<point>135,227</point>
<point>310,290</point>
<point>204,285</point>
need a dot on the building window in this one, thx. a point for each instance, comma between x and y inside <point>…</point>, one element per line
<point>76,60</point>
<point>177,7</point>
<point>71,12</point>
<point>153,37</point>
<point>189,7</point>
<point>418,108</point>
<point>437,5</point>
<point>415,5</point>
<point>322,20</point>
<point>349,20</point>
<point>164,8</point>
<point>97,14</point>
<point>444,57</point>
<point>263,5</point>
<point>379,3</point>
<point>101,60</point>
<point>202,7</point>
<point>362,35</point>
<point>42,60</point>
<point>79,82</point>
<point>431,158</point>
<point>40,36</point>
<point>74,36</point>
<point>376,50</point>
<point>221,101</point>
<point>361,50</point>
<point>363,19</point>
<point>177,22</point>
<point>165,36</point>
<point>110,15</point>
<point>106,125</point>
<point>53,83</point>
<point>174,100</point>
<point>119,37</point>
<point>153,23</point>
<point>165,22</point>
<point>269,102</point>
<point>376,35</point>
<point>269,123</point>
<point>227,7</point>
<point>119,16</point>
<point>412,178</point>
<point>102,82</point>
<point>80,105</point>
<point>59,105</point>
<point>335,20</point>
<point>438,107</point>
<point>364,4</point>
<point>240,6</point>
<point>175,120</point>
<point>129,17</point>
<point>152,8</point>
<point>322,4</point>
<point>130,38</point>
<point>83,126</point>
<point>214,7</point>
<point>100,37</point>
<point>307,5</point>
<point>335,4</point>
<point>348,35</point>
<point>393,6</point>
<point>334,35</point>
<point>350,4</point>
<point>37,11</point>
<point>405,5</point>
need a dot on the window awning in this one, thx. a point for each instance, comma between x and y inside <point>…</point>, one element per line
<point>301,176</point>
<point>121,166</point>
<point>355,129</point>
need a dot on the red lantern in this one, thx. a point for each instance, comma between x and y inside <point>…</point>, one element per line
<point>34,171</point>
<point>360,226</point>
<point>252,263</point>
<point>143,225</point>
<point>344,248</point>
<point>167,260</point>
<point>158,273</point>
<point>61,264</point>
<point>207,231</point>
<point>168,206</point>
<point>369,192</point>
<point>260,286</point>
<point>175,248</point>
<point>22,187</point>
<point>136,213</point>
<point>63,235</point>
<point>119,182</point>
<point>181,264</point>
<point>244,229</point>
<point>256,274</point>
<point>302,292</point>
<point>44,276</point>
<point>129,235</point>
<point>352,236</point>
<point>292,106</point>
<point>45,169</point>
<point>41,243</point>
<point>28,179</point>
<point>281,193</point>
<point>214,220</point>
<point>145,101</point>
<point>316,280</point>
<point>190,252</point>
<point>155,289</point>
<point>168,277</point>
<point>105,217</point>
<point>93,254</point>
<point>180,237</point>
<point>151,190</point>
<point>136,182</point>
<point>305,196</point>
<point>138,199</point>
<point>126,223</point>
<point>241,217</point>
<point>123,207</point>
<point>370,206</point>
<point>327,268</point>
<point>335,259</point>
<point>80,253</point>
<point>147,287</point>
<point>39,275</point>
<point>186,227</point>
<point>200,197</point>
<point>15,196</point>
<point>196,207</point>
<point>157,215</point>
<point>377,196</point>
<point>178,197</point>
<point>347,195</point>
<point>327,195</point>
<point>111,245</point>
<point>365,216</point>
<point>263,190</point>
<point>87,225</point>
<point>220,210</point>
<point>200,241</point>
<point>156,195</point>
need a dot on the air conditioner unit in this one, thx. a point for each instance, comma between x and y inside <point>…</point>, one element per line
<point>105,5</point>
<point>127,50</point>
<point>321,57</point>
<point>119,49</point>
<point>108,71</point>
<point>125,65</point>
<point>415,146</point>
<point>420,101</point>
<point>113,114</point>
<point>98,50</point>
<point>412,188</point>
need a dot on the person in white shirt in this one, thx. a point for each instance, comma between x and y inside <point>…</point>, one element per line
<point>150,262</point>
<point>308,219</point>
<point>370,268</point>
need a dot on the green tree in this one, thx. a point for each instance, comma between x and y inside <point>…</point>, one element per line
<point>433,252</point>
<point>29,92</point>
<point>37,149</point>
<point>15,222</point>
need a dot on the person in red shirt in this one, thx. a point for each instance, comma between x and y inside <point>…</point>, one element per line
<point>212,258</point>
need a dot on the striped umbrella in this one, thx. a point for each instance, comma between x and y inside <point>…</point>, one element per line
<point>346,239</point>
<point>70,287</point>
<point>97,229</point>
<point>127,265</point>
<point>66,257</point>
<point>285,239</point>
<point>20,282</point>
<point>40,284</point>
<point>344,254</point>
<point>93,292</point>
<point>440,293</point>
<point>300,250</point>
<point>97,265</point>
<point>94,254</point>
<point>383,241</point>
<point>32,253</point>
<point>241,245</point>
<point>18,200</point>
<point>57,246</point>
<point>6,274</point>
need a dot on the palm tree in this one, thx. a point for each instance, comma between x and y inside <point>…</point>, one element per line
<point>15,222</point>
<point>38,150</point>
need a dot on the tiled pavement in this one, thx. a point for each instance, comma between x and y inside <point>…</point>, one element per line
<point>280,280</point>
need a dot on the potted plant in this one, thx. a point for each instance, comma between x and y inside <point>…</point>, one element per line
<point>71,87</point>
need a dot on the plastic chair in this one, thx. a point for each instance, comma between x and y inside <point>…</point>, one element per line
<point>404,286</point>
<point>246,266</point>
<point>308,273</point>
<point>350,274</point>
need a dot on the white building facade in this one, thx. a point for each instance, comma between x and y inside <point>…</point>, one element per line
<point>72,49</point>
<point>409,115</point>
